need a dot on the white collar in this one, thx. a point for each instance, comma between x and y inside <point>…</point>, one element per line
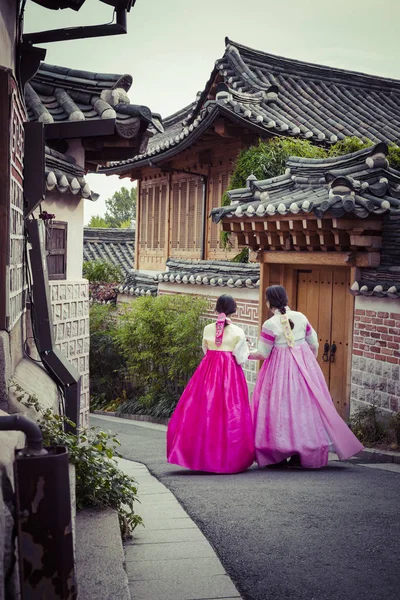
<point>278,312</point>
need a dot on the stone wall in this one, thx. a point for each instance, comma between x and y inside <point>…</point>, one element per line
<point>70,309</point>
<point>376,354</point>
<point>247,301</point>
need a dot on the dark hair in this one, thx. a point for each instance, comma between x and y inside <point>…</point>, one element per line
<point>277,297</point>
<point>226,304</point>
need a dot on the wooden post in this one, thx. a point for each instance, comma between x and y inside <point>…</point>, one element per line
<point>136,264</point>
<point>264,283</point>
<point>168,220</point>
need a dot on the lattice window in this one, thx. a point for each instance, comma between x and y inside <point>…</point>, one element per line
<point>175,210</point>
<point>163,215</point>
<point>150,217</point>
<point>156,218</point>
<point>56,246</point>
<point>143,218</point>
<point>183,216</point>
<point>199,215</point>
<point>219,184</point>
<point>191,218</point>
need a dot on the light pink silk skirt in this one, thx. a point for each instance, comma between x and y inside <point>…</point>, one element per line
<point>293,412</point>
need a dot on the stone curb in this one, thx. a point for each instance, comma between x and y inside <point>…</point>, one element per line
<point>378,456</point>
<point>100,557</point>
<point>368,454</point>
<point>146,418</point>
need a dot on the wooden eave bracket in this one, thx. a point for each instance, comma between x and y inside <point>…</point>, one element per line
<point>308,232</point>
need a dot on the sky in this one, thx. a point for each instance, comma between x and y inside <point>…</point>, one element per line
<point>172,45</point>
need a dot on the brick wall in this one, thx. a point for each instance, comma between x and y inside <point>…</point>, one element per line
<point>376,354</point>
<point>70,307</point>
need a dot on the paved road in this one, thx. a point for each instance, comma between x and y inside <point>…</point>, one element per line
<point>300,535</point>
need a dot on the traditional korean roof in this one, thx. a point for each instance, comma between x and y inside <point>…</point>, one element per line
<point>116,246</point>
<point>64,175</point>
<point>381,282</point>
<point>273,95</point>
<point>359,184</point>
<point>58,95</point>
<point>211,272</point>
<point>138,284</point>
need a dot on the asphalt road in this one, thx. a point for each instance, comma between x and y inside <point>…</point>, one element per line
<point>332,534</point>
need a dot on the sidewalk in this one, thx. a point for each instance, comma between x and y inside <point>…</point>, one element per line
<point>170,559</point>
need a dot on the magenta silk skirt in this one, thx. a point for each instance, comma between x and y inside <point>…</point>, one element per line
<point>211,427</point>
<point>294,414</point>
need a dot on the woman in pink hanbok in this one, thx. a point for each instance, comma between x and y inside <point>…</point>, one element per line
<point>294,416</point>
<point>211,428</point>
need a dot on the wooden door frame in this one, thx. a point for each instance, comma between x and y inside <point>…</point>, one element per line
<point>289,266</point>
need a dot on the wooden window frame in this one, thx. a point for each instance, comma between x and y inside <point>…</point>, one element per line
<point>57,225</point>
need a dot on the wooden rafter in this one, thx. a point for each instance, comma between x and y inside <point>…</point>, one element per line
<point>307,233</point>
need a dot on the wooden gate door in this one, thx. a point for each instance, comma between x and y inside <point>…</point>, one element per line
<point>323,296</point>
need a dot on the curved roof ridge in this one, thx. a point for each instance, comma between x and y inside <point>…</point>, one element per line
<point>301,67</point>
<point>299,161</point>
<point>107,79</point>
<point>179,115</point>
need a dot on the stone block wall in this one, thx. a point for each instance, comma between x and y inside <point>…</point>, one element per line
<point>376,354</point>
<point>70,308</point>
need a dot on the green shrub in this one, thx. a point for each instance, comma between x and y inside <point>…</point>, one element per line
<point>394,157</point>
<point>394,425</point>
<point>102,271</point>
<point>366,423</point>
<point>107,364</point>
<point>99,481</point>
<point>161,406</point>
<point>160,340</point>
<point>348,146</point>
<point>142,357</point>
<point>268,159</point>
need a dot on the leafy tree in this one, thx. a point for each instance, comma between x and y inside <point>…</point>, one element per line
<point>97,221</point>
<point>101,271</point>
<point>121,207</point>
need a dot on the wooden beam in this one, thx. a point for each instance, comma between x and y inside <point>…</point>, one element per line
<point>225,130</point>
<point>365,224</point>
<point>366,241</point>
<point>79,129</point>
<point>338,259</point>
<point>282,225</point>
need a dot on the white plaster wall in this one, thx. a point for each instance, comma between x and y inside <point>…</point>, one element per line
<point>69,210</point>
<point>389,305</point>
<point>209,290</point>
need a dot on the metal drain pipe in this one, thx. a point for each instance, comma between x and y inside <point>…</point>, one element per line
<point>43,515</point>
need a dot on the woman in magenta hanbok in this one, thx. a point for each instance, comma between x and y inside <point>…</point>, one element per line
<point>211,428</point>
<point>294,416</point>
